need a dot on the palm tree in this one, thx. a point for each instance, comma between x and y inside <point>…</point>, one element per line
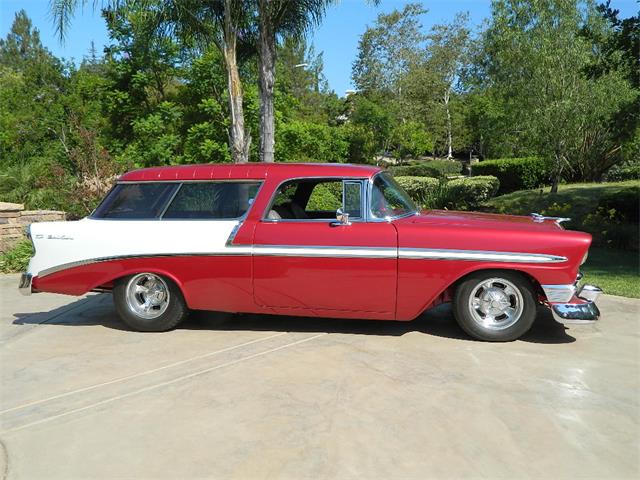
<point>284,18</point>
<point>222,23</point>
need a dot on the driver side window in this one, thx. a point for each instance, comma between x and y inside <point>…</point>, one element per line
<point>316,199</point>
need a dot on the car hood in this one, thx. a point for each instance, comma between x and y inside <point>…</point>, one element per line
<point>482,220</point>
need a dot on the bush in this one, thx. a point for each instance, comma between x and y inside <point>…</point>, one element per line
<point>460,193</point>
<point>16,258</point>
<point>515,173</point>
<point>432,168</point>
<point>625,202</point>
<point>469,192</point>
<point>626,171</point>
<point>420,189</point>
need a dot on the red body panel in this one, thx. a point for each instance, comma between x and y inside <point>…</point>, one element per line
<point>339,283</point>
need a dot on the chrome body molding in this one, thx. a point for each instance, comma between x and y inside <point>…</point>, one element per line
<point>25,284</point>
<point>589,292</point>
<point>559,293</point>
<point>575,313</point>
<point>331,252</point>
<point>325,251</point>
<point>478,255</point>
<point>80,263</point>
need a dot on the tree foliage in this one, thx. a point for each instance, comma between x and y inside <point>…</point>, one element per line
<point>557,80</point>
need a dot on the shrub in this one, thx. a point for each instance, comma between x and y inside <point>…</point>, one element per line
<point>625,202</point>
<point>432,168</point>
<point>467,193</point>
<point>626,171</point>
<point>460,193</point>
<point>515,173</point>
<point>326,196</point>
<point>610,228</point>
<point>420,189</point>
<point>16,258</point>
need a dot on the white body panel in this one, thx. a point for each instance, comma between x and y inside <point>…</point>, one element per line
<point>62,243</point>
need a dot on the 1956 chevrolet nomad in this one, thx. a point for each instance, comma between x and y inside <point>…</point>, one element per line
<point>341,241</point>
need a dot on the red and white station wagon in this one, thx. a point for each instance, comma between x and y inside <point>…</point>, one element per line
<point>342,241</point>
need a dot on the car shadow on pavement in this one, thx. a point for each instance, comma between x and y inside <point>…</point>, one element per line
<point>438,322</point>
<point>98,310</point>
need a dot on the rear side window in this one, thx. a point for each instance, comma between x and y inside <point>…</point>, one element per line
<point>212,200</point>
<point>136,201</point>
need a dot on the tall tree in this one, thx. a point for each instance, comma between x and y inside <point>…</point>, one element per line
<point>222,23</point>
<point>386,50</point>
<point>537,59</point>
<point>447,57</point>
<point>286,19</point>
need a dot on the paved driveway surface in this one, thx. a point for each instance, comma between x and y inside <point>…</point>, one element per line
<point>284,397</point>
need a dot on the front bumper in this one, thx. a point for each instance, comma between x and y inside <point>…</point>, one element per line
<point>25,284</point>
<point>581,309</point>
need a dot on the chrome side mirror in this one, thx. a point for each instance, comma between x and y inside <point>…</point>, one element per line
<point>342,218</point>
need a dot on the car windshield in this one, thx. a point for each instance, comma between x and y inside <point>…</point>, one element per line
<point>388,199</point>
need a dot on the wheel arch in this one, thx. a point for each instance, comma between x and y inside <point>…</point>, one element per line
<point>446,294</point>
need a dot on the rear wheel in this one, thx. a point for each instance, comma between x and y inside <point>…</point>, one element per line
<point>149,303</point>
<point>495,306</point>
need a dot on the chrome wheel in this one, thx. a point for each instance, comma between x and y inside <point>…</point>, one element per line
<point>495,303</point>
<point>147,295</point>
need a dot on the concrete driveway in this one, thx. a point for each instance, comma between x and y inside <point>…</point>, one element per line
<point>272,397</point>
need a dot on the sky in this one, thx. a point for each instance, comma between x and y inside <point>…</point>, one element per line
<point>337,36</point>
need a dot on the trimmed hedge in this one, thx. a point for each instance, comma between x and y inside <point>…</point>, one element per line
<point>420,189</point>
<point>432,168</point>
<point>470,192</point>
<point>515,173</point>
<point>460,193</point>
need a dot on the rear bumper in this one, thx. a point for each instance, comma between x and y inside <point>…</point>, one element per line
<point>25,286</point>
<point>581,309</point>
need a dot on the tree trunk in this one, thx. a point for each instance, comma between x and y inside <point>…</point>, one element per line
<point>239,139</point>
<point>449,134</point>
<point>266,72</point>
<point>557,175</point>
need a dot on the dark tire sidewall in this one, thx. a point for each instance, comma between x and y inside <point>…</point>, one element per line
<point>466,322</point>
<point>176,310</point>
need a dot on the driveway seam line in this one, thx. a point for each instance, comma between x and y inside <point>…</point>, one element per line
<point>139,374</point>
<point>158,385</point>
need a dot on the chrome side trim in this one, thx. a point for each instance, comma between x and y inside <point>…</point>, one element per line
<point>559,293</point>
<point>329,252</point>
<point>575,313</point>
<point>324,251</point>
<point>479,255</point>
<point>236,251</point>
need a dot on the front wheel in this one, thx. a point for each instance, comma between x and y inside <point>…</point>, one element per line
<point>149,303</point>
<point>495,306</point>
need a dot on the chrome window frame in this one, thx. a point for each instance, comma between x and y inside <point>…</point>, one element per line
<point>361,219</point>
<point>160,217</point>
<point>371,217</point>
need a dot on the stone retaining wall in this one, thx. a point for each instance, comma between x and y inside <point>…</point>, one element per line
<point>14,218</point>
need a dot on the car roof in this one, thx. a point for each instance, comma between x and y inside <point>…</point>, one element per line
<point>258,171</point>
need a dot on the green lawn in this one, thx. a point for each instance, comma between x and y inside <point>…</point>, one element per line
<point>575,200</point>
<point>617,272</point>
